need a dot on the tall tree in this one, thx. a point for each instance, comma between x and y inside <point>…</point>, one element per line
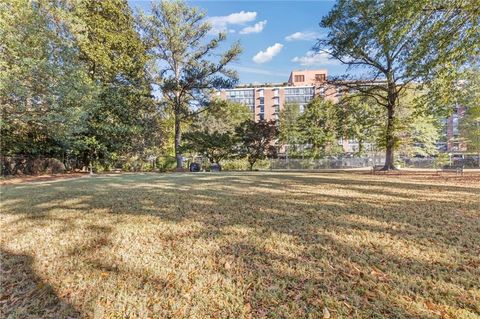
<point>42,84</point>
<point>399,42</point>
<point>358,119</point>
<point>289,132</point>
<point>256,140</point>
<point>114,55</point>
<point>318,127</point>
<point>186,71</point>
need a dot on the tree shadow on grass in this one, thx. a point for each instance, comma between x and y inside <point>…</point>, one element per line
<point>336,272</point>
<point>24,294</point>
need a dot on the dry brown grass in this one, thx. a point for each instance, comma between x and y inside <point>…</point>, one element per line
<point>241,245</point>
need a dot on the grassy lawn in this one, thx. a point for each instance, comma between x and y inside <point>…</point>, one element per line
<point>241,245</point>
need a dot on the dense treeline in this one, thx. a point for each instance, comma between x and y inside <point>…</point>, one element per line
<point>94,84</point>
<point>74,84</point>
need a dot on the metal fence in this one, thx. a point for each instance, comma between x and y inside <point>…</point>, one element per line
<point>312,164</point>
<point>325,163</point>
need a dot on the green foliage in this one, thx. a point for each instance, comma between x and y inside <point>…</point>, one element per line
<point>255,140</point>
<point>417,130</point>
<point>470,128</point>
<point>72,82</point>
<point>399,42</point>
<point>105,34</point>
<point>318,127</point>
<point>166,163</point>
<point>176,36</point>
<point>441,160</point>
<point>453,86</point>
<point>221,116</point>
<point>42,87</point>
<point>289,130</point>
<point>215,146</point>
<point>115,58</point>
<point>242,164</point>
<point>359,117</point>
<point>212,132</point>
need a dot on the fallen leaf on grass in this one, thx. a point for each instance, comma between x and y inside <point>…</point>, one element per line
<point>326,313</point>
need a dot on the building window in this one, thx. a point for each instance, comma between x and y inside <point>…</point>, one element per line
<point>262,100</point>
<point>320,77</point>
<point>241,96</point>
<point>275,92</point>
<point>262,108</point>
<point>260,93</point>
<point>261,116</point>
<point>299,78</point>
<point>299,91</point>
<point>276,101</point>
<point>455,125</point>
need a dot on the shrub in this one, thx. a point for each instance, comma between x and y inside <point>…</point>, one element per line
<point>30,166</point>
<point>441,160</point>
<point>166,163</point>
<point>242,165</point>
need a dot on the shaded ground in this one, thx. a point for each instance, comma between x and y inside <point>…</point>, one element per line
<point>241,245</point>
<point>9,180</point>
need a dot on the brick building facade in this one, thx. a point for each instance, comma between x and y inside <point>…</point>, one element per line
<point>265,102</point>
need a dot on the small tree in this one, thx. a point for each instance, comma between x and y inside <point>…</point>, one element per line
<point>212,132</point>
<point>256,140</point>
<point>185,71</point>
<point>215,146</point>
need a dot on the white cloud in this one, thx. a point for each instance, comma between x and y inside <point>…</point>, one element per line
<point>257,28</point>
<point>314,58</point>
<point>268,54</point>
<point>221,23</point>
<point>303,36</point>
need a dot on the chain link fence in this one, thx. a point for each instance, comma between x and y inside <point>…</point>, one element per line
<point>364,162</point>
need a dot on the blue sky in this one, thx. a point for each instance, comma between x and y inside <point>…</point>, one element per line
<point>276,36</point>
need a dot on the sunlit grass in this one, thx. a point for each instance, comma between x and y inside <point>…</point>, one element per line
<point>241,245</point>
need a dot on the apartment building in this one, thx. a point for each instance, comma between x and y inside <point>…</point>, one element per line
<point>266,101</point>
<point>453,141</point>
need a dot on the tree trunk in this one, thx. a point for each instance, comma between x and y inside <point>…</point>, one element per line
<point>360,147</point>
<point>251,165</point>
<point>390,141</point>
<point>178,140</point>
<point>390,132</point>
